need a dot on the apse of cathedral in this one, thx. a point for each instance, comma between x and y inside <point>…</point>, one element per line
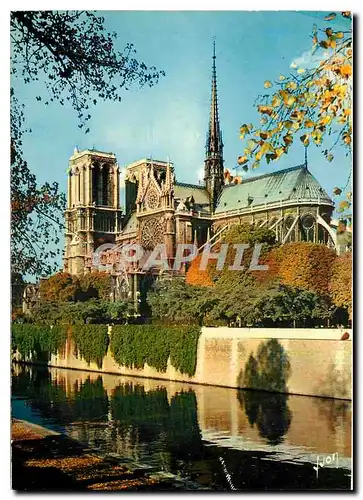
<point>159,208</point>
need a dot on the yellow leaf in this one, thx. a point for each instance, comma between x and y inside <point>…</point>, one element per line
<point>333,44</point>
<point>292,85</point>
<point>288,124</point>
<point>290,100</point>
<point>347,111</point>
<point>293,65</point>
<point>287,139</point>
<point>349,195</point>
<point>242,160</point>
<point>346,70</point>
<point>301,70</point>
<point>282,77</point>
<point>305,139</point>
<point>343,205</point>
<point>309,124</point>
<point>266,147</point>
<point>258,156</point>
<point>276,101</point>
<point>267,84</point>
<point>339,34</point>
<point>251,144</point>
<point>263,120</point>
<point>347,13</point>
<point>265,109</point>
<point>264,135</point>
<point>325,120</point>
<point>256,164</point>
<point>279,152</point>
<point>296,125</point>
<point>243,131</point>
<point>330,157</point>
<point>330,17</point>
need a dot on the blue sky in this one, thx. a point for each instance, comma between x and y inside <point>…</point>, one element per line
<point>170,119</point>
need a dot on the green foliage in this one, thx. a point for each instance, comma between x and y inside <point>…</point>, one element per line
<point>38,342</point>
<point>285,306</point>
<point>91,342</point>
<point>79,313</point>
<point>133,346</point>
<point>239,298</point>
<point>175,302</point>
<point>247,233</point>
<point>96,285</point>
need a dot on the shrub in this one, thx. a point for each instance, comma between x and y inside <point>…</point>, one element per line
<point>303,265</point>
<point>91,342</point>
<point>37,342</point>
<point>133,346</point>
<point>340,286</point>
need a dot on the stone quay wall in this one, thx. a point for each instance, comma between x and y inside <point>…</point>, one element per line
<point>313,362</point>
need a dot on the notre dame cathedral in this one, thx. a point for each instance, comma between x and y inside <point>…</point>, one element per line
<point>159,208</point>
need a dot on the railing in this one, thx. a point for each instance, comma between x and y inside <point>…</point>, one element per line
<point>270,206</point>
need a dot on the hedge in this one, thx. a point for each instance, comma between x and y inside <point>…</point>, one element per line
<point>37,342</point>
<point>91,342</point>
<point>133,346</point>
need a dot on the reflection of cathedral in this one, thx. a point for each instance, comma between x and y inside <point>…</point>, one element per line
<point>160,209</point>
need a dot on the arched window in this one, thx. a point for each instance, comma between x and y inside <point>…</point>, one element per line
<point>307,227</point>
<point>288,222</point>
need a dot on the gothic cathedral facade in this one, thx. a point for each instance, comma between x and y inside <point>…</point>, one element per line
<point>160,209</point>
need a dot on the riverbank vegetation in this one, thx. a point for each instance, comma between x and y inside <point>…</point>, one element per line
<point>135,345</point>
<point>305,285</point>
<point>131,345</point>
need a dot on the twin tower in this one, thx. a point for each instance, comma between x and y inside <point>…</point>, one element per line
<point>94,216</point>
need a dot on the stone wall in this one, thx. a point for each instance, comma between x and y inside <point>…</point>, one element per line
<point>311,362</point>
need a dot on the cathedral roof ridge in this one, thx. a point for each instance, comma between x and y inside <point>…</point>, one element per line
<point>149,160</point>
<point>189,184</point>
<point>78,154</point>
<point>269,174</point>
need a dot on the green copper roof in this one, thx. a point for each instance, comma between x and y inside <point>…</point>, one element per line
<point>295,183</point>
<point>199,193</point>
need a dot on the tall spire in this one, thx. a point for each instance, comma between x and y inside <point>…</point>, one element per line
<point>213,170</point>
<point>214,142</point>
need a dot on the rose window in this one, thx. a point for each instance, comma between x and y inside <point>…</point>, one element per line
<point>152,232</point>
<point>152,199</point>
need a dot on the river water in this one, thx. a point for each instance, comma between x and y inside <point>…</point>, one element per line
<point>215,438</point>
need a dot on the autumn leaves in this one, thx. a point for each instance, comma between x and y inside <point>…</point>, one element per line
<point>311,103</point>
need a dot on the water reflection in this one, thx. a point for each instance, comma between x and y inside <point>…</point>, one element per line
<point>269,412</point>
<point>186,430</point>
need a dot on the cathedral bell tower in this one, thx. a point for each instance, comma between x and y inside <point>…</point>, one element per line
<point>213,164</point>
<point>93,214</point>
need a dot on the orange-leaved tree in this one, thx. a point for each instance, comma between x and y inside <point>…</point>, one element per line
<point>303,265</point>
<point>340,286</point>
<point>196,276</point>
<point>61,287</point>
